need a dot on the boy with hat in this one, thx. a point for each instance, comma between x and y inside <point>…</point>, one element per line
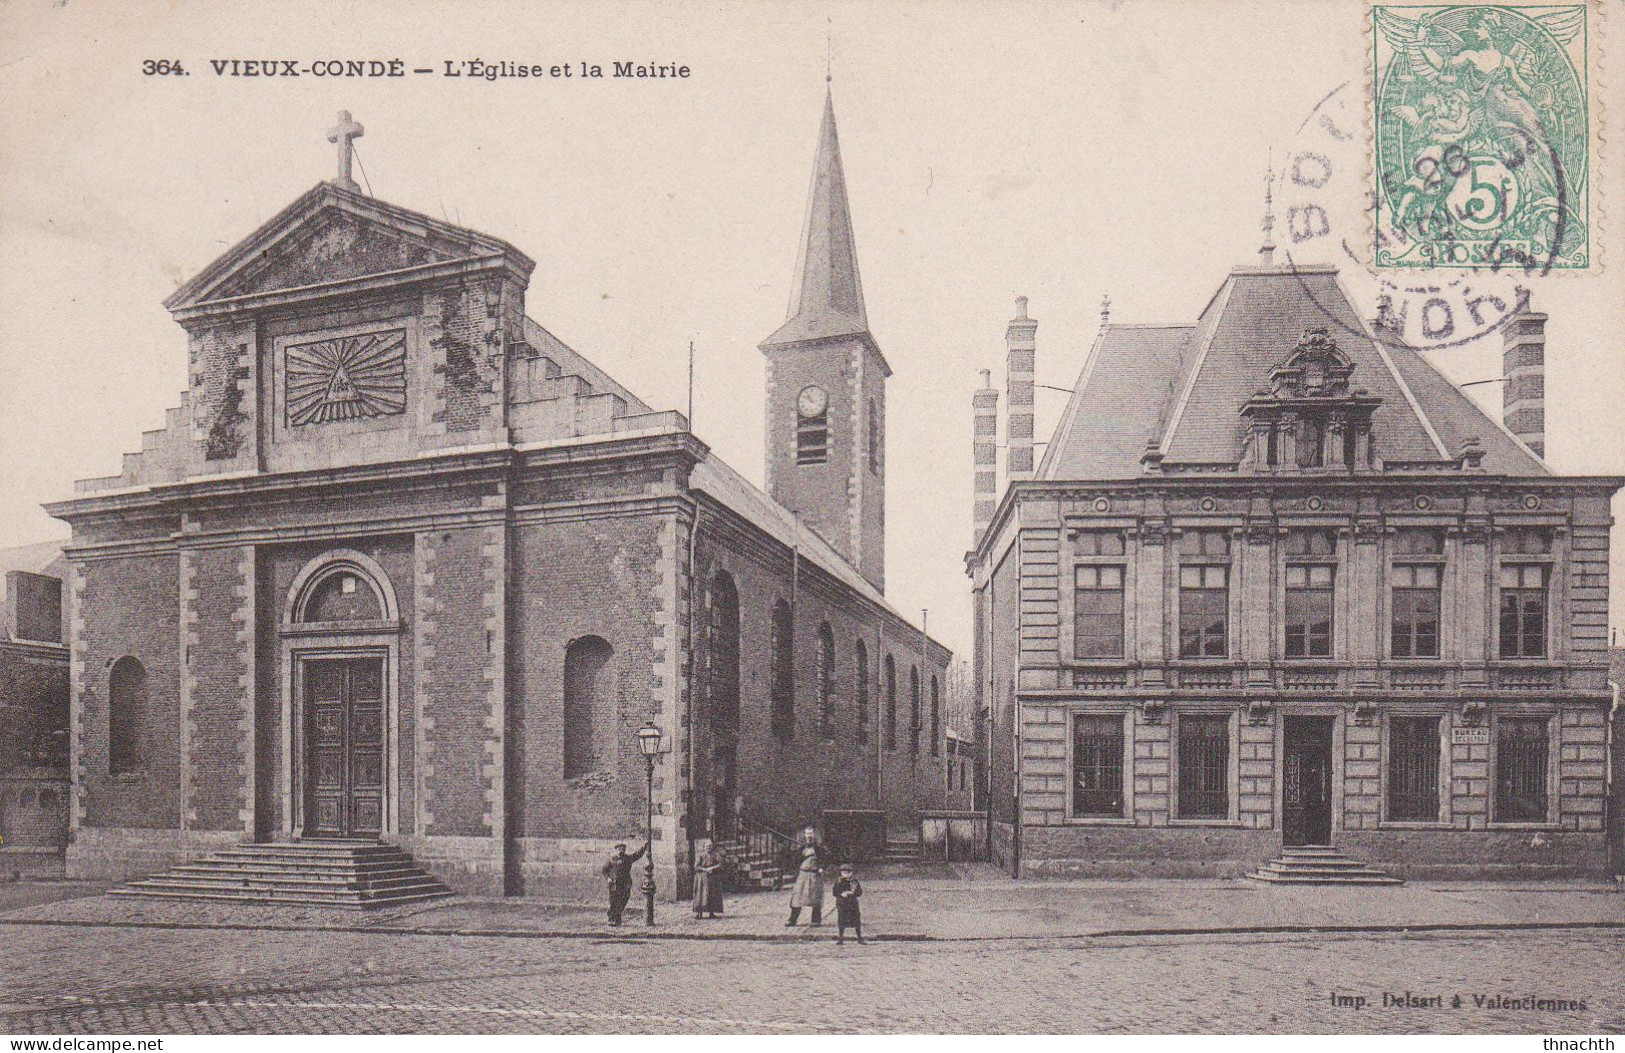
<point>847,890</point>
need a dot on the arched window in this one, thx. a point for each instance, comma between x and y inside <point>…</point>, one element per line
<point>126,712</point>
<point>826,683</point>
<point>891,703</point>
<point>936,718</point>
<point>589,706</point>
<point>724,679</point>
<point>914,710</point>
<point>783,718</point>
<point>861,690</point>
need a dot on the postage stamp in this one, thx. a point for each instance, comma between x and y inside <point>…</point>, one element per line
<point>1482,119</point>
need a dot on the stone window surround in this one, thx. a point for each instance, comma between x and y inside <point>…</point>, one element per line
<point>1233,714</point>
<point>1448,720</point>
<point>1554,757</point>
<point>1102,709</point>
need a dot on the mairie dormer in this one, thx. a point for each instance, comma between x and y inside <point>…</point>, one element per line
<point>1310,417</point>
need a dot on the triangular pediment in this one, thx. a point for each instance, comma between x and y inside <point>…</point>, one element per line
<point>330,237</point>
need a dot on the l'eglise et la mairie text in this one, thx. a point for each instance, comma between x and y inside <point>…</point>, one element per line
<point>504,68</point>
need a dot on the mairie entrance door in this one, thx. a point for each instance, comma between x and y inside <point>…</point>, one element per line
<point>1306,781</point>
<point>344,746</point>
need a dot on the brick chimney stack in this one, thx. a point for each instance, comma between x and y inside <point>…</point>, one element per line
<point>1523,363</point>
<point>1019,339</point>
<point>985,454</point>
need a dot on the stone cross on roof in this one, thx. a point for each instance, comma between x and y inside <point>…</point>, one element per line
<point>343,133</point>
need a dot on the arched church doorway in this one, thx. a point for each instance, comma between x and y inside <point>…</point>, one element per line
<point>340,635</point>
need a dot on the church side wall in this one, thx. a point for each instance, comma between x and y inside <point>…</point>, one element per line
<point>128,823</point>
<point>576,576</point>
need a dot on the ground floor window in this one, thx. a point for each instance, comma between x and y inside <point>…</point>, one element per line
<point>1204,767</point>
<point>1413,769</point>
<point>1097,765</point>
<point>1520,769</point>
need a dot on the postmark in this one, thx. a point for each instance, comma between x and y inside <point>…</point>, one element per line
<point>1482,137</point>
<point>1328,209</point>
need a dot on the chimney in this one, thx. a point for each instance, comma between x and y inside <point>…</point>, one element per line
<point>1018,371</point>
<point>984,454</point>
<point>1523,363</point>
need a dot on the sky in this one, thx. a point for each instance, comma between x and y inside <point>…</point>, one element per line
<point>1061,151</point>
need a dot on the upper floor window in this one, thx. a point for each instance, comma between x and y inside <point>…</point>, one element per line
<point>1311,543</point>
<point>1204,594</point>
<point>1523,610</point>
<point>1419,541</point>
<point>1311,577</point>
<point>1527,541</point>
<point>1097,612</point>
<point>1414,628</point>
<point>1098,543</point>
<point>1309,596</point>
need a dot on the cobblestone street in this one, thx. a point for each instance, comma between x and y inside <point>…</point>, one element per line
<point>62,980</point>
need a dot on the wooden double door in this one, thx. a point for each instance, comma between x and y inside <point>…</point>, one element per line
<point>344,746</point>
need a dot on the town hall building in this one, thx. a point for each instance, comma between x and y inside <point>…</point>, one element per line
<point>1278,598</point>
<point>403,566</point>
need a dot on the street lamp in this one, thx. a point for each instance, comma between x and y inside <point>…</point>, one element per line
<point>649,744</point>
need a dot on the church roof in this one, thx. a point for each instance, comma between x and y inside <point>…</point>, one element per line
<point>827,297</point>
<point>1181,389</point>
<point>336,238</point>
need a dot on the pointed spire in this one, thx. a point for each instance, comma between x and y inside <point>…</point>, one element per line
<point>827,299</point>
<point>1266,251</point>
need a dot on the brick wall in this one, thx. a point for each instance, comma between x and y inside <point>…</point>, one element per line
<point>217,680</point>
<point>137,613</point>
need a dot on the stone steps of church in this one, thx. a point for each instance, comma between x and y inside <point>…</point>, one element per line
<point>332,873</point>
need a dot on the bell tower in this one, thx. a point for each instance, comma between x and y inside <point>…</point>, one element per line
<point>826,382</point>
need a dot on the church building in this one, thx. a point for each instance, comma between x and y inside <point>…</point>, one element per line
<point>403,566</point>
<point>1279,599</point>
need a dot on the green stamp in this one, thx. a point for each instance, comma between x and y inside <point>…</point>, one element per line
<point>1483,137</point>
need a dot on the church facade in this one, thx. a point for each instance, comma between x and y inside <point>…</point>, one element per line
<point>1276,586</point>
<point>403,565</point>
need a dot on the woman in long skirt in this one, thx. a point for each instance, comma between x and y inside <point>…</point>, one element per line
<point>707,881</point>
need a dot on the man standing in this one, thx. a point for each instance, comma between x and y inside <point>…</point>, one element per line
<point>618,875</point>
<point>808,890</point>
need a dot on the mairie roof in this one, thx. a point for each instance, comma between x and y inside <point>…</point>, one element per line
<point>1179,389</point>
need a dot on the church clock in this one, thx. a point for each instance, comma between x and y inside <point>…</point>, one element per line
<point>812,402</point>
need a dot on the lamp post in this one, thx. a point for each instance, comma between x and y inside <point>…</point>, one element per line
<point>649,745</point>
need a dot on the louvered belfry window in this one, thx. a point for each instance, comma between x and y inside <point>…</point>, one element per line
<point>1097,765</point>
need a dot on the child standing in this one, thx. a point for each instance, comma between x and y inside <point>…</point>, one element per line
<point>847,915</point>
